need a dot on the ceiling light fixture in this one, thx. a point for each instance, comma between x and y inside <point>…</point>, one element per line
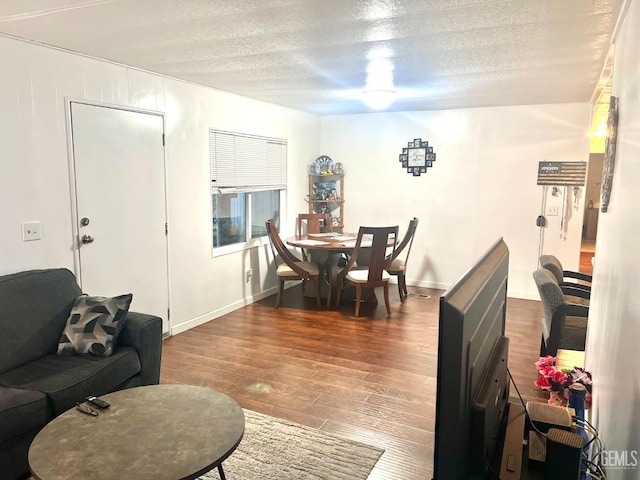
<point>378,99</point>
<point>379,91</point>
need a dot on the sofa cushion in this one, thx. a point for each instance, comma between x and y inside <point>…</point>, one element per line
<point>34,306</point>
<point>94,324</point>
<point>66,379</point>
<point>21,411</point>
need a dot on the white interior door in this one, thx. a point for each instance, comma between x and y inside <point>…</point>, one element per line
<point>118,158</point>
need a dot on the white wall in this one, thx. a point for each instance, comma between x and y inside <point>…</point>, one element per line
<point>614,317</point>
<point>482,185</point>
<point>34,173</point>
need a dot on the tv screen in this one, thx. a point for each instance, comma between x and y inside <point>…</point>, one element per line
<point>472,379</point>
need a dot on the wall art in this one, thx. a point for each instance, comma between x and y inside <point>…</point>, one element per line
<point>609,153</point>
<point>417,157</point>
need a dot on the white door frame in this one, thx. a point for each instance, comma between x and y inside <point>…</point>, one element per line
<point>72,180</point>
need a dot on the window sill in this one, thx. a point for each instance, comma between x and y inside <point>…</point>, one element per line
<point>239,247</point>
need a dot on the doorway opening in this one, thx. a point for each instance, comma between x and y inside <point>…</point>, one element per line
<point>593,187</point>
<point>591,212</point>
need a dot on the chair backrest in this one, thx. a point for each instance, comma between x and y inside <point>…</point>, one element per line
<point>316,223</point>
<point>279,249</point>
<point>406,242</point>
<point>382,240</point>
<point>552,264</point>
<point>552,302</point>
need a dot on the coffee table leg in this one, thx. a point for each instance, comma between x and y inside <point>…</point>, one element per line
<point>221,472</point>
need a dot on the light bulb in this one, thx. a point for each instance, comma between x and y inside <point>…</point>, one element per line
<point>378,99</point>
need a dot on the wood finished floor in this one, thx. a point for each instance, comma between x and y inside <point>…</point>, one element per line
<point>371,379</point>
<point>587,251</point>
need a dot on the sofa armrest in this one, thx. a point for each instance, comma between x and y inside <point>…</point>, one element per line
<point>144,333</point>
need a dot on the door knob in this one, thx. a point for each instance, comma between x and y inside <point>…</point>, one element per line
<point>86,239</point>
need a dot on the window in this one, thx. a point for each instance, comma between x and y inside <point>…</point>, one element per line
<point>264,205</point>
<point>248,181</point>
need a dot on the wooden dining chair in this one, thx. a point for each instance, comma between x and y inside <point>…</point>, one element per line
<point>315,223</point>
<point>288,266</point>
<point>374,274</point>
<point>397,261</point>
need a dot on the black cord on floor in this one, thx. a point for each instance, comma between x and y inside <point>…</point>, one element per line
<point>526,412</point>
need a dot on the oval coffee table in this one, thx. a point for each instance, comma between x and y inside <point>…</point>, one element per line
<point>152,432</point>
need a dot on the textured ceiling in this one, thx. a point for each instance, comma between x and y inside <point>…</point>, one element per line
<point>318,55</point>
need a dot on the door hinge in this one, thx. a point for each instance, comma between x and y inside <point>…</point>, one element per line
<point>166,228</point>
<point>163,140</point>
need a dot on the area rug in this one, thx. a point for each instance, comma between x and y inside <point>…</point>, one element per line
<point>273,448</point>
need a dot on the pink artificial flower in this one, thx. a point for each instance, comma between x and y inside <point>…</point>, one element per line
<point>559,377</point>
<point>557,382</point>
<point>582,376</point>
<point>555,399</point>
<point>547,361</point>
<point>543,383</point>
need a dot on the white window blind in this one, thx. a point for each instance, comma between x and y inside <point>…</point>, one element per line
<point>247,162</point>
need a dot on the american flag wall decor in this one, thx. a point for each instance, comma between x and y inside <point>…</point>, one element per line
<point>562,173</point>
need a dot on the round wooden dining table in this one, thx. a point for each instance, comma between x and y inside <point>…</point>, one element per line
<point>326,250</point>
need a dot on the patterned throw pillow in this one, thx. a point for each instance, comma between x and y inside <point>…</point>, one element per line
<point>94,324</point>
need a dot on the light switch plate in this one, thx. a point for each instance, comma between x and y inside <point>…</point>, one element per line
<point>31,231</point>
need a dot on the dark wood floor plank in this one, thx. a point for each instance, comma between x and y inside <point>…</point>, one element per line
<point>371,378</point>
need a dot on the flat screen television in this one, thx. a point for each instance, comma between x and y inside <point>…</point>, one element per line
<point>472,388</point>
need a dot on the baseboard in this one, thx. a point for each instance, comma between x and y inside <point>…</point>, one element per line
<point>524,295</point>
<point>206,317</point>
<point>425,284</point>
<point>212,315</point>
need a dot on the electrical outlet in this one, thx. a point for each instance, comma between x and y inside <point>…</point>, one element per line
<point>31,231</point>
<point>552,211</point>
<point>249,274</point>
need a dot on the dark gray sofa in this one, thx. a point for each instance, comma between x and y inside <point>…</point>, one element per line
<point>36,384</point>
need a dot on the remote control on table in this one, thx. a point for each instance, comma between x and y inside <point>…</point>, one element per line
<point>84,409</point>
<point>98,402</point>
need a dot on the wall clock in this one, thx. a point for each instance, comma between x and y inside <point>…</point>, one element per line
<point>417,157</point>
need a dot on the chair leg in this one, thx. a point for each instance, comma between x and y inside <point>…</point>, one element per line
<point>280,290</point>
<point>404,286</point>
<point>316,286</point>
<point>338,294</point>
<point>400,290</point>
<point>329,296</point>
<point>386,298</point>
<point>358,298</point>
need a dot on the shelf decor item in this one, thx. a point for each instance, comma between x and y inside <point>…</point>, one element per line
<point>324,164</point>
<point>417,157</point>
<point>326,190</point>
